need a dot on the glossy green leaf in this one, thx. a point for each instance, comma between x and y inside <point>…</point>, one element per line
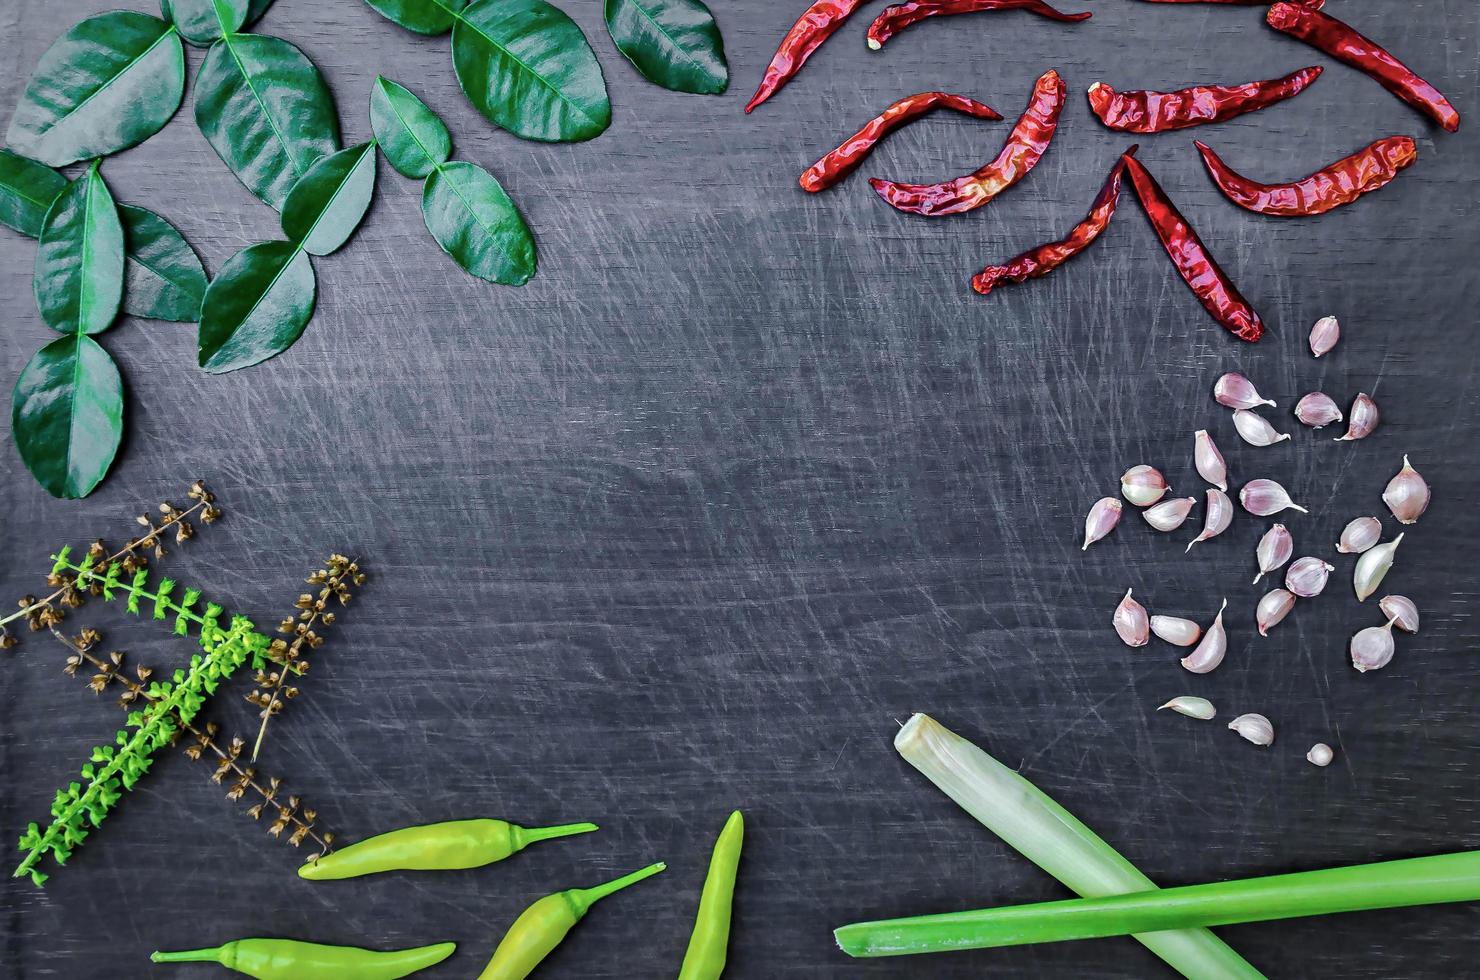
<point>255,9</point>
<point>476,223</point>
<point>163,277</point>
<point>265,109</point>
<point>79,263</point>
<point>203,21</point>
<point>674,43</point>
<point>67,415</point>
<point>412,137</point>
<point>27,190</point>
<point>256,307</point>
<point>109,83</point>
<point>420,16</point>
<point>527,67</point>
<point>328,204</point>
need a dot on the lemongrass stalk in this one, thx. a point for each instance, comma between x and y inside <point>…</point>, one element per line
<point>1050,836</point>
<point>1386,885</point>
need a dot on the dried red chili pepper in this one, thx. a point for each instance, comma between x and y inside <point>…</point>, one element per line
<point>1330,187</point>
<point>820,21</point>
<point>1218,294</point>
<point>896,18</point>
<point>1024,148</point>
<point>1342,42</point>
<point>1160,112</point>
<point>1046,258</point>
<point>852,151</point>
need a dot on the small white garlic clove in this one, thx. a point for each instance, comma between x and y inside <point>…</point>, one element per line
<point>1273,609</point>
<point>1407,494</point>
<point>1359,536</point>
<point>1103,517</point>
<point>1213,648</point>
<point>1254,728</point>
<point>1264,498</point>
<point>1373,566</point>
<point>1233,390</point>
<point>1317,410</point>
<point>1143,485</point>
<point>1169,514</point>
<point>1131,622</point>
<point>1275,548</point>
<point>1324,335</point>
<point>1178,632</point>
<point>1364,419</point>
<point>1255,429</point>
<point>1307,577</point>
<point>1320,754</point>
<point>1398,608</point>
<point>1372,648</point>
<point>1219,514</point>
<point>1210,463</point>
<point>1200,708</point>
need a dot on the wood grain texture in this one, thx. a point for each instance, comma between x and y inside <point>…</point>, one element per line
<point>744,475</point>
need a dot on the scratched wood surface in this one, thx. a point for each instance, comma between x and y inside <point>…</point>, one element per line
<point>745,476</point>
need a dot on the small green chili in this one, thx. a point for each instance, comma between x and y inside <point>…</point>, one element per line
<point>541,927</point>
<point>288,959</point>
<point>434,847</point>
<point>705,959</point>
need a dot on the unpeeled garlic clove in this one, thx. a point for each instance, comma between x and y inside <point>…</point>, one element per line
<point>1213,648</point>
<point>1266,497</point>
<point>1373,566</point>
<point>1407,494</point>
<point>1210,463</point>
<point>1275,548</point>
<point>1273,608</point>
<point>1255,429</point>
<point>1169,514</point>
<point>1320,754</point>
<point>1103,517</point>
<point>1131,622</point>
<point>1233,390</point>
<point>1218,515</point>
<point>1143,485</point>
<point>1200,708</point>
<point>1178,632</point>
<point>1324,335</point>
<point>1254,728</point>
<point>1307,577</point>
<point>1398,608</point>
<point>1317,410</point>
<point>1359,536</point>
<point>1372,648</point>
<point>1364,419</point>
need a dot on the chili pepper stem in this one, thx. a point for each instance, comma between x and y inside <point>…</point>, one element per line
<point>530,835</point>
<point>584,898</point>
<point>212,955</point>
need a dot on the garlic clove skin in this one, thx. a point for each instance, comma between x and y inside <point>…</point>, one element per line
<point>1407,494</point>
<point>1210,463</point>
<point>1320,754</point>
<point>1398,608</point>
<point>1103,517</point>
<point>1359,536</point>
<point>1200,708</point>
<point>1254,728</point>
<point>1131,622</point>
<point>1178,632</point>
<point>1324,335</point>
<point>1275,548</point>
<point>1317,410</point>
<point>1373,566</point>
<point>1213,648</point>
<point>1169,514</point>
<point>1273,609</point>
<point>1265,498</point>
<point>1255,429</point>
<point>1372,648</point>
<point>1233,390</point>
<point>1364,419</point>
<point>1218,515</point>
<point>1307,577</point>
<point>1143,485</point>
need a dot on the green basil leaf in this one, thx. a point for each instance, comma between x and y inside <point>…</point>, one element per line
<point>27,190</point>
<point>527,67</point>
<point>256,307</point>
<point>674,43</point>
<point>255,9</point>
<point>202,21</point>
<point>328,204</point>
<point>79,263</point>
<point>420,16</point>
<point>411,136</point>
<point>67,415</point>
<point>163,277</point>
<point>471,217</point>
<point>265,109</point>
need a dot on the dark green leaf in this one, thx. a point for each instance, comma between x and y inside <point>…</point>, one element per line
<point>411,136</point>
<point>79,263</point>
<point>27,189</point>
<point>109,83</point>
<point>328,204</point>
<point>265,108</point>
<point>67,415</point>
<point>203,21</point>
<point>527,67</point>
<point>163,278</point>
<point>471,217</point>
<point>675,43</point>
<point>255,9</point>
<point>256,307</point>
<point>420,16</point>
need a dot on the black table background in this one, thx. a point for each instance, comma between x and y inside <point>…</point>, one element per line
<point>745,475</point>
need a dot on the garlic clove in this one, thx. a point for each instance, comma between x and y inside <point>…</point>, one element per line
<point>1254,728</point>
<point>1200,708</point>
<point>1131,622</point>
<point>1359,536</point>
<point>1264,498</point>
<point>1255,429</point>
<point>1143,485</point>
<point>1218,515</point>
<point>1233,390</point>
<point>1210,463</point>
<point>1372,648</point>
<point>1373,566</point>
<point>1275,548</point>
<point>1307,577</point>
<point>1399,608</point>
<point>1364,418</point>
<point>1103,517</point>
<point>1324,335</point>
<point>1169,514</point>
<point>1317,410</point>
<point>1178,632</point>
<point>1213,648</point>
<point>1273,609</point>
<point>1407,494</point>
<point>1320,754</point>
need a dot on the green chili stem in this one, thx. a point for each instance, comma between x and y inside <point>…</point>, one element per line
<point>530,835</point>
<point>212,955</point>
<point>586,897</point>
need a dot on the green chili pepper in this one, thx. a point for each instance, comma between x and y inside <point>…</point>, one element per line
<point>541,927</point>
<point>287,959</point>
<point>435,847</point>
<point>705,959</point>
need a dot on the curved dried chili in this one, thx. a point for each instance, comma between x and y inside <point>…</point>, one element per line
<point>896,18</point>
<point>1024,148</point>
<point>852,151</point>
<point>1160,112</point>
<point>1046,258</point>
<point>818,23</point>
<point>1342,42</point>
<point>1218,294</point>
<point>1330,187</point>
